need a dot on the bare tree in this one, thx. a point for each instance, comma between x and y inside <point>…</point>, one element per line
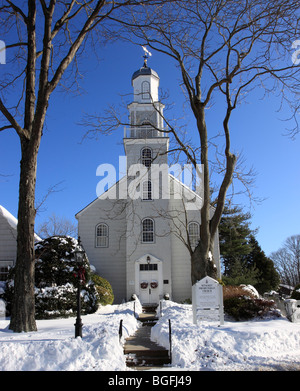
<point>43,38</point>
<point>287,261</point>
<point>223,49</point>
<point>57,226</point>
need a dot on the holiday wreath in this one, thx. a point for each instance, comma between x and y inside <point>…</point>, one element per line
<point>144,285</point>
<point>154,284</point>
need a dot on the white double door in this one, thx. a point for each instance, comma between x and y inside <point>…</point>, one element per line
<point>149,283</point>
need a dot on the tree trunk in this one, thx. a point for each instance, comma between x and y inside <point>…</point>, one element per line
<point>202,264</point>
<point>23,308</point>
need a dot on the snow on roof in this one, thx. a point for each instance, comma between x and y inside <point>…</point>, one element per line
<point>12,221</point>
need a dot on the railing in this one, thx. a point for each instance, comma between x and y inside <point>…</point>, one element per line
<point>143,132</point>
<point>170,329</point>
<point>121,330</point>
<point>170,341</point>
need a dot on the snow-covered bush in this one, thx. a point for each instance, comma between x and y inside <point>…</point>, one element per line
<point>250,289</point>
<point>242,303</point>
<point>56,280</point>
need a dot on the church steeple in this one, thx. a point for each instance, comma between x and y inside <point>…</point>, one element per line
<point>145,112</point>
<point>146,131</point>
<point>145,82</point>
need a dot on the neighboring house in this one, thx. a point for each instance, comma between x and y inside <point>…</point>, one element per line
<point>8,241</point>
<point>137,240</point>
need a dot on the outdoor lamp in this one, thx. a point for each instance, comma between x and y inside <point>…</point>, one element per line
<point>79,256</point>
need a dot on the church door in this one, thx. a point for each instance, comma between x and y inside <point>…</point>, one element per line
<point>148,281</point>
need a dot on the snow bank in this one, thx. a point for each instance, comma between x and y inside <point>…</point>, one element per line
<point>272,344</point>
<point>54,348</point>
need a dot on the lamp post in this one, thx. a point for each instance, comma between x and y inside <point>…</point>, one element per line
<point>79,255</point>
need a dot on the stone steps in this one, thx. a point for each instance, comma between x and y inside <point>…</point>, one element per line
<point>140,350</point>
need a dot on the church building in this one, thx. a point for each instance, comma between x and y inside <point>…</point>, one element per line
<point>138,233</point>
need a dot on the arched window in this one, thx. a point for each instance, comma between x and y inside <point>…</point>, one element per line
<point>145,90</point>
<point>102,235</point>
<point>147,231</point>
<point>194,234</point>
<point>146,157</point>
<point>147,191</point>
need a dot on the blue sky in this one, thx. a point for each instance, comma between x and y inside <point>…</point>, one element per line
<point>63,159</point>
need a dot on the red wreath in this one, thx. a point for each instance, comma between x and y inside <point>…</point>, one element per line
<point>154,284</point>
<point>80,275</point>
<point>144,285</point>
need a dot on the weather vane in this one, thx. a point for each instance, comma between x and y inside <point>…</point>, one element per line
<point>146,55</point>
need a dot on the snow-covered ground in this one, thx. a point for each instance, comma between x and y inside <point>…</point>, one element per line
<point>259,345</point>
<point>54,348</point>
<point>272,344</point>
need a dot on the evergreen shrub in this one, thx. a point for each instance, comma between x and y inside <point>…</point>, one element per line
<point>296,293</point>
<point>56,280</point>
<point>104,289</point>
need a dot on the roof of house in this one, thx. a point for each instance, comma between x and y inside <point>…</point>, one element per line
<point>12,221</point>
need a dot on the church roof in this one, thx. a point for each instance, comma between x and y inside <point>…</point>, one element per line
<point>144,71</point>
<point>105,195</point>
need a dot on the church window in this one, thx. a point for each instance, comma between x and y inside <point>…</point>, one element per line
<point>146,157</point>
<point>147,231</point>
<point>145,90</point>
<point>148,267</point>
<point>194,234</point>
<point>102,235</point>
<point>147,191</point>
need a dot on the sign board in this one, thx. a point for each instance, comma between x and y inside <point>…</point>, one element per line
<point>207,299</point>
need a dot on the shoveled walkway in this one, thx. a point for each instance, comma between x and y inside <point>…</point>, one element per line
<point>140,350</point>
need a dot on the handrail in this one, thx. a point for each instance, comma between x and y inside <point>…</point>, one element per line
<point>121,330</point>
<point>170,341</point>
<point>143,132</point>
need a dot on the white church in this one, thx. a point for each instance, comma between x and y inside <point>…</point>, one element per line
<point>138,234</point>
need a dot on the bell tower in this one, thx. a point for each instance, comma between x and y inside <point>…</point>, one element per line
<point>145,139</point>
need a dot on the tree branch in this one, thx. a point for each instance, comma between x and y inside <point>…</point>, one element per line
<point>18,10</point>
<point>6,127</point>
<point>13,123</point>
<point>74,47</point>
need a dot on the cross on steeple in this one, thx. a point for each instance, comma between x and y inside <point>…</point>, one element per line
<point>146,55</point>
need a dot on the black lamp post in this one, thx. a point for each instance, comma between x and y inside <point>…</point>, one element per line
<point>79,255</point>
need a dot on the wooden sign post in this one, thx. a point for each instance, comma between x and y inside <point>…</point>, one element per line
<point>207,300</point>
